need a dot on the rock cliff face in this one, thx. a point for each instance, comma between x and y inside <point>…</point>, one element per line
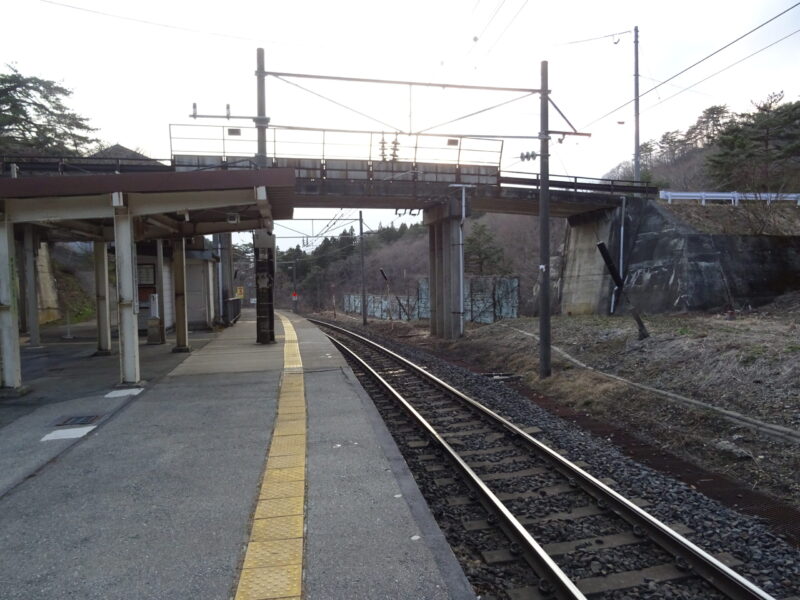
<point>675,260</point>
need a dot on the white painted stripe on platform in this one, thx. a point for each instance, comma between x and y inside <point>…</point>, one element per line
<point>68,434</point>
<point>123,393</point>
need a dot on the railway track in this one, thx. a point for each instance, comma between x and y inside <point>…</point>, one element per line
<point>541,526</point>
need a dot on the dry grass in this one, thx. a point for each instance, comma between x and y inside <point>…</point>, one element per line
<point>749,364</point>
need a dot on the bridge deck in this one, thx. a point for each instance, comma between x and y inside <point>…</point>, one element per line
<point>408,185</point>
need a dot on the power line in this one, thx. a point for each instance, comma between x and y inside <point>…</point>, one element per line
<point>673,85</point>
<point>600,37</point>
<point>477,112</point>
<point>358,112</point>
<point>796,31</point>
<point>510,23</point>
<point>729,44</point>
<point>491,19</point>
<point>290,228</point>
<point>153,23</point>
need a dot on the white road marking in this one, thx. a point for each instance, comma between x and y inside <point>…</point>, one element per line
<point>68,434</point>
<point>125,392</point>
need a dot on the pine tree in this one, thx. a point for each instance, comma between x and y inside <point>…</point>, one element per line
<point>34,118</point>
<point>760,151</point>
<point>481,254</point>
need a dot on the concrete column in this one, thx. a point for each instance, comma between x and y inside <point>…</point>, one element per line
<point>31,289</point>
<point>101,296</point>
<point>453,284</point>
<point>448,275</point>
<point>439,298</point>
<point>125,249</point>
<point>209,276</point>
<point>445,267</point>
<point>432,278</point>
<point>162,336</point>
<point>11,372</point>
<point>179,285</point>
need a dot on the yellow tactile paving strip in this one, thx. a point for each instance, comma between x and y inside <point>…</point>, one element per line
<point>273,563</point>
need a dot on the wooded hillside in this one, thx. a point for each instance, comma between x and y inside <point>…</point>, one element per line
<point>493,245</point>
<point>753,152</point>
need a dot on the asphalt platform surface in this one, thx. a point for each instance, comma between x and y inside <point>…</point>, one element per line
<point>154,497</point>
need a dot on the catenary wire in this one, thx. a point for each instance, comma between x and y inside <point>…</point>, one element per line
<point>681,72</point>
<point>358,112</point>
<point>796,31</point>
<point>153,23</point>
<point>507,27</point>
<point>491,19</point>
<point>600,37</point>
<point>472,114</point>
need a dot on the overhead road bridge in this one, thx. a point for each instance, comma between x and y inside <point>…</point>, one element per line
<point>197,195</point>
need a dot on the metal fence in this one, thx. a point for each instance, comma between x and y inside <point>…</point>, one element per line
<point>237,145</point>
<point>486,300</point>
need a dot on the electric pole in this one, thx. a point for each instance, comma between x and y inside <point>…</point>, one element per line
<point>545,368</point>
<point>637,173</point>
<point>261,119</point>
<point>263,240</point>
<point>295,299</point>
<point>363,275</point>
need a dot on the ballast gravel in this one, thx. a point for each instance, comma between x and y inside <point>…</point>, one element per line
<point>768,561</point>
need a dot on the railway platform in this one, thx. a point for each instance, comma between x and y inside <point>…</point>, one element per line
<point>237,471</point>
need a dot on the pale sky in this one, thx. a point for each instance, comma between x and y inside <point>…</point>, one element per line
<point>134,76</point>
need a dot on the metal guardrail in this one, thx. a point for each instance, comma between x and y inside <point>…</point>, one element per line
<point>732,198</point>
<point>80,165</point>
<point>303,142</point>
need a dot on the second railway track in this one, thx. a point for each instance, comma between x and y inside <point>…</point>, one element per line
<point>529,523</point>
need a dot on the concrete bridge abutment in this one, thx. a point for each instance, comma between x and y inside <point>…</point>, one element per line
<point>446,269</point>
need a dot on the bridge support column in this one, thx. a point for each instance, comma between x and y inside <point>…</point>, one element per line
<point>11,371</point>
<point>101,298</point>
<point>179,285</point>
<point>31,289</point>
<point>445,254</point>
<point>433,278</point>
<point>125,249</point>
<point>162,317</point>
<point>264,247</point>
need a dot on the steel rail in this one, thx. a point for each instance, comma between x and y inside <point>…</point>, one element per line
<point>545,567</point>
<point>709,568</point>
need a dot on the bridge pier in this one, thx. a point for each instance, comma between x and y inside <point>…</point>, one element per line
<point>101,296</point>
<point>587,286</point>
<point>125,251</point>
<point>445,269</point>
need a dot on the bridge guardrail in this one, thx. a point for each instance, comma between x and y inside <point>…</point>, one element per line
<point>734,198</point>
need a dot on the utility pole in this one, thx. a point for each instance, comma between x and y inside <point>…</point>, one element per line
<point>263,241</point>
<point>545,368</point>
<point>295,300</point>
<point>363,274</point>
<point>261,120</point>
<point>637,173</point>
